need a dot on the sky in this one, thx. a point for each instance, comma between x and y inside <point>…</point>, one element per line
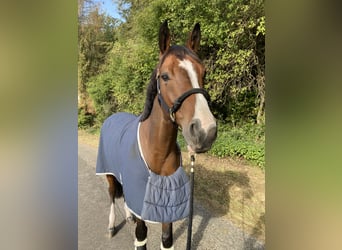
<point>109,7</point>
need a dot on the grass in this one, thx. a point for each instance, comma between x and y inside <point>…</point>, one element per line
<point>228,188</point>
<point>245,141</point>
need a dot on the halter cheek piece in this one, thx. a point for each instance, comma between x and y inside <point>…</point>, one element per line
<point>178,102</point>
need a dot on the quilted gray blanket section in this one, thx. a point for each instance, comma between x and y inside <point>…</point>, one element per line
<point>149,196</point>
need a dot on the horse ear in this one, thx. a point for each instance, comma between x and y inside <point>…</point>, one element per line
<point>194,39</point>
<point>164,37</point>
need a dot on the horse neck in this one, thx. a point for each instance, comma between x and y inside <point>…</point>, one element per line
<point>158,137</point>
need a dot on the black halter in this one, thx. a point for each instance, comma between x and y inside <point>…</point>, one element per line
<point>178,102</point>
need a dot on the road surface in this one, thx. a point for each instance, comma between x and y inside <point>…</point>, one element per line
<point>209,232</point>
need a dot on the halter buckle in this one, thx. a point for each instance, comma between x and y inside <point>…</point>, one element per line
<point>172,115</point>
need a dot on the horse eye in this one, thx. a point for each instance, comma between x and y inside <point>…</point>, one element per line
<point>165,77</point>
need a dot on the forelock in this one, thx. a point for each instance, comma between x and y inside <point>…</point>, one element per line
<point>180,52</point>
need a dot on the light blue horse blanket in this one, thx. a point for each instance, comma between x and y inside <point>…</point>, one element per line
<point>149,196</point>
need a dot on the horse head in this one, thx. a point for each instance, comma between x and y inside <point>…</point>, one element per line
<point>180,76</point>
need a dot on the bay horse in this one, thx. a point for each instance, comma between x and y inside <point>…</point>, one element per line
<point>139,154</point>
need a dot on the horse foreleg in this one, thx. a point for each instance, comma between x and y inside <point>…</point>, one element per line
<point>129,216</point>
<point>111,191</point>
<point>141,235</point>
<point>167,238</point>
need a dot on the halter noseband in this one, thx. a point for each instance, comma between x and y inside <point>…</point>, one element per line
<point>178,102</point>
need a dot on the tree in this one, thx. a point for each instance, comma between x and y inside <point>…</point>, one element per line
<point>232,47</point>
<point>233,44</point>
<point>96,38</point>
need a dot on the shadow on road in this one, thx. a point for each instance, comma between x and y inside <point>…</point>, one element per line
<point>197,234</point>
<point>119,227</point>
<point>250,242</point>
<point>225,191</point>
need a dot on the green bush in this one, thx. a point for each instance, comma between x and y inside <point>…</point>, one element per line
<point>246,141</point>
<point>85,120</point>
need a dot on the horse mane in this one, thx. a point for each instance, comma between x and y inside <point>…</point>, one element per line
<point>180,52</point>
<point>150,95</point>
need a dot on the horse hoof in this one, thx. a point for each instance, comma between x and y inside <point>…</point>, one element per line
<point>111,232</point>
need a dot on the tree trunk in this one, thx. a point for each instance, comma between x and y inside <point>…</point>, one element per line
<point>261,111</point>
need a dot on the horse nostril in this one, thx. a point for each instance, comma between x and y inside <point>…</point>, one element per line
<point>212,132</point>
<point>194,128</point>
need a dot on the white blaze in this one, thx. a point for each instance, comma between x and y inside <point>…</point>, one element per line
<point>202,111</point>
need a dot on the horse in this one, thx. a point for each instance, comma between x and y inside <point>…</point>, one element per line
<point>139,154</point>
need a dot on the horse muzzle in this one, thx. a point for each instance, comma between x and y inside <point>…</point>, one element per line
<point>200,139</point>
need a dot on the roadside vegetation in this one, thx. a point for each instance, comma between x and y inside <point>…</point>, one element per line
<point>239,142</point>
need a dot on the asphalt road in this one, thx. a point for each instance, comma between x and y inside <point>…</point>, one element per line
<point>93,209</point>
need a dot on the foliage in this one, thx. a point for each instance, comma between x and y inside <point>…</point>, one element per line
<point>102,96</point>
<point>96,38</point>
<point>123,82</point>
<point>84,119</point>
<point>233,41</point>
<point>232,46</point>
<point>247,141</point>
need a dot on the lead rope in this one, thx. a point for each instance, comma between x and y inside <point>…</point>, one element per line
<point>188,243</point>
